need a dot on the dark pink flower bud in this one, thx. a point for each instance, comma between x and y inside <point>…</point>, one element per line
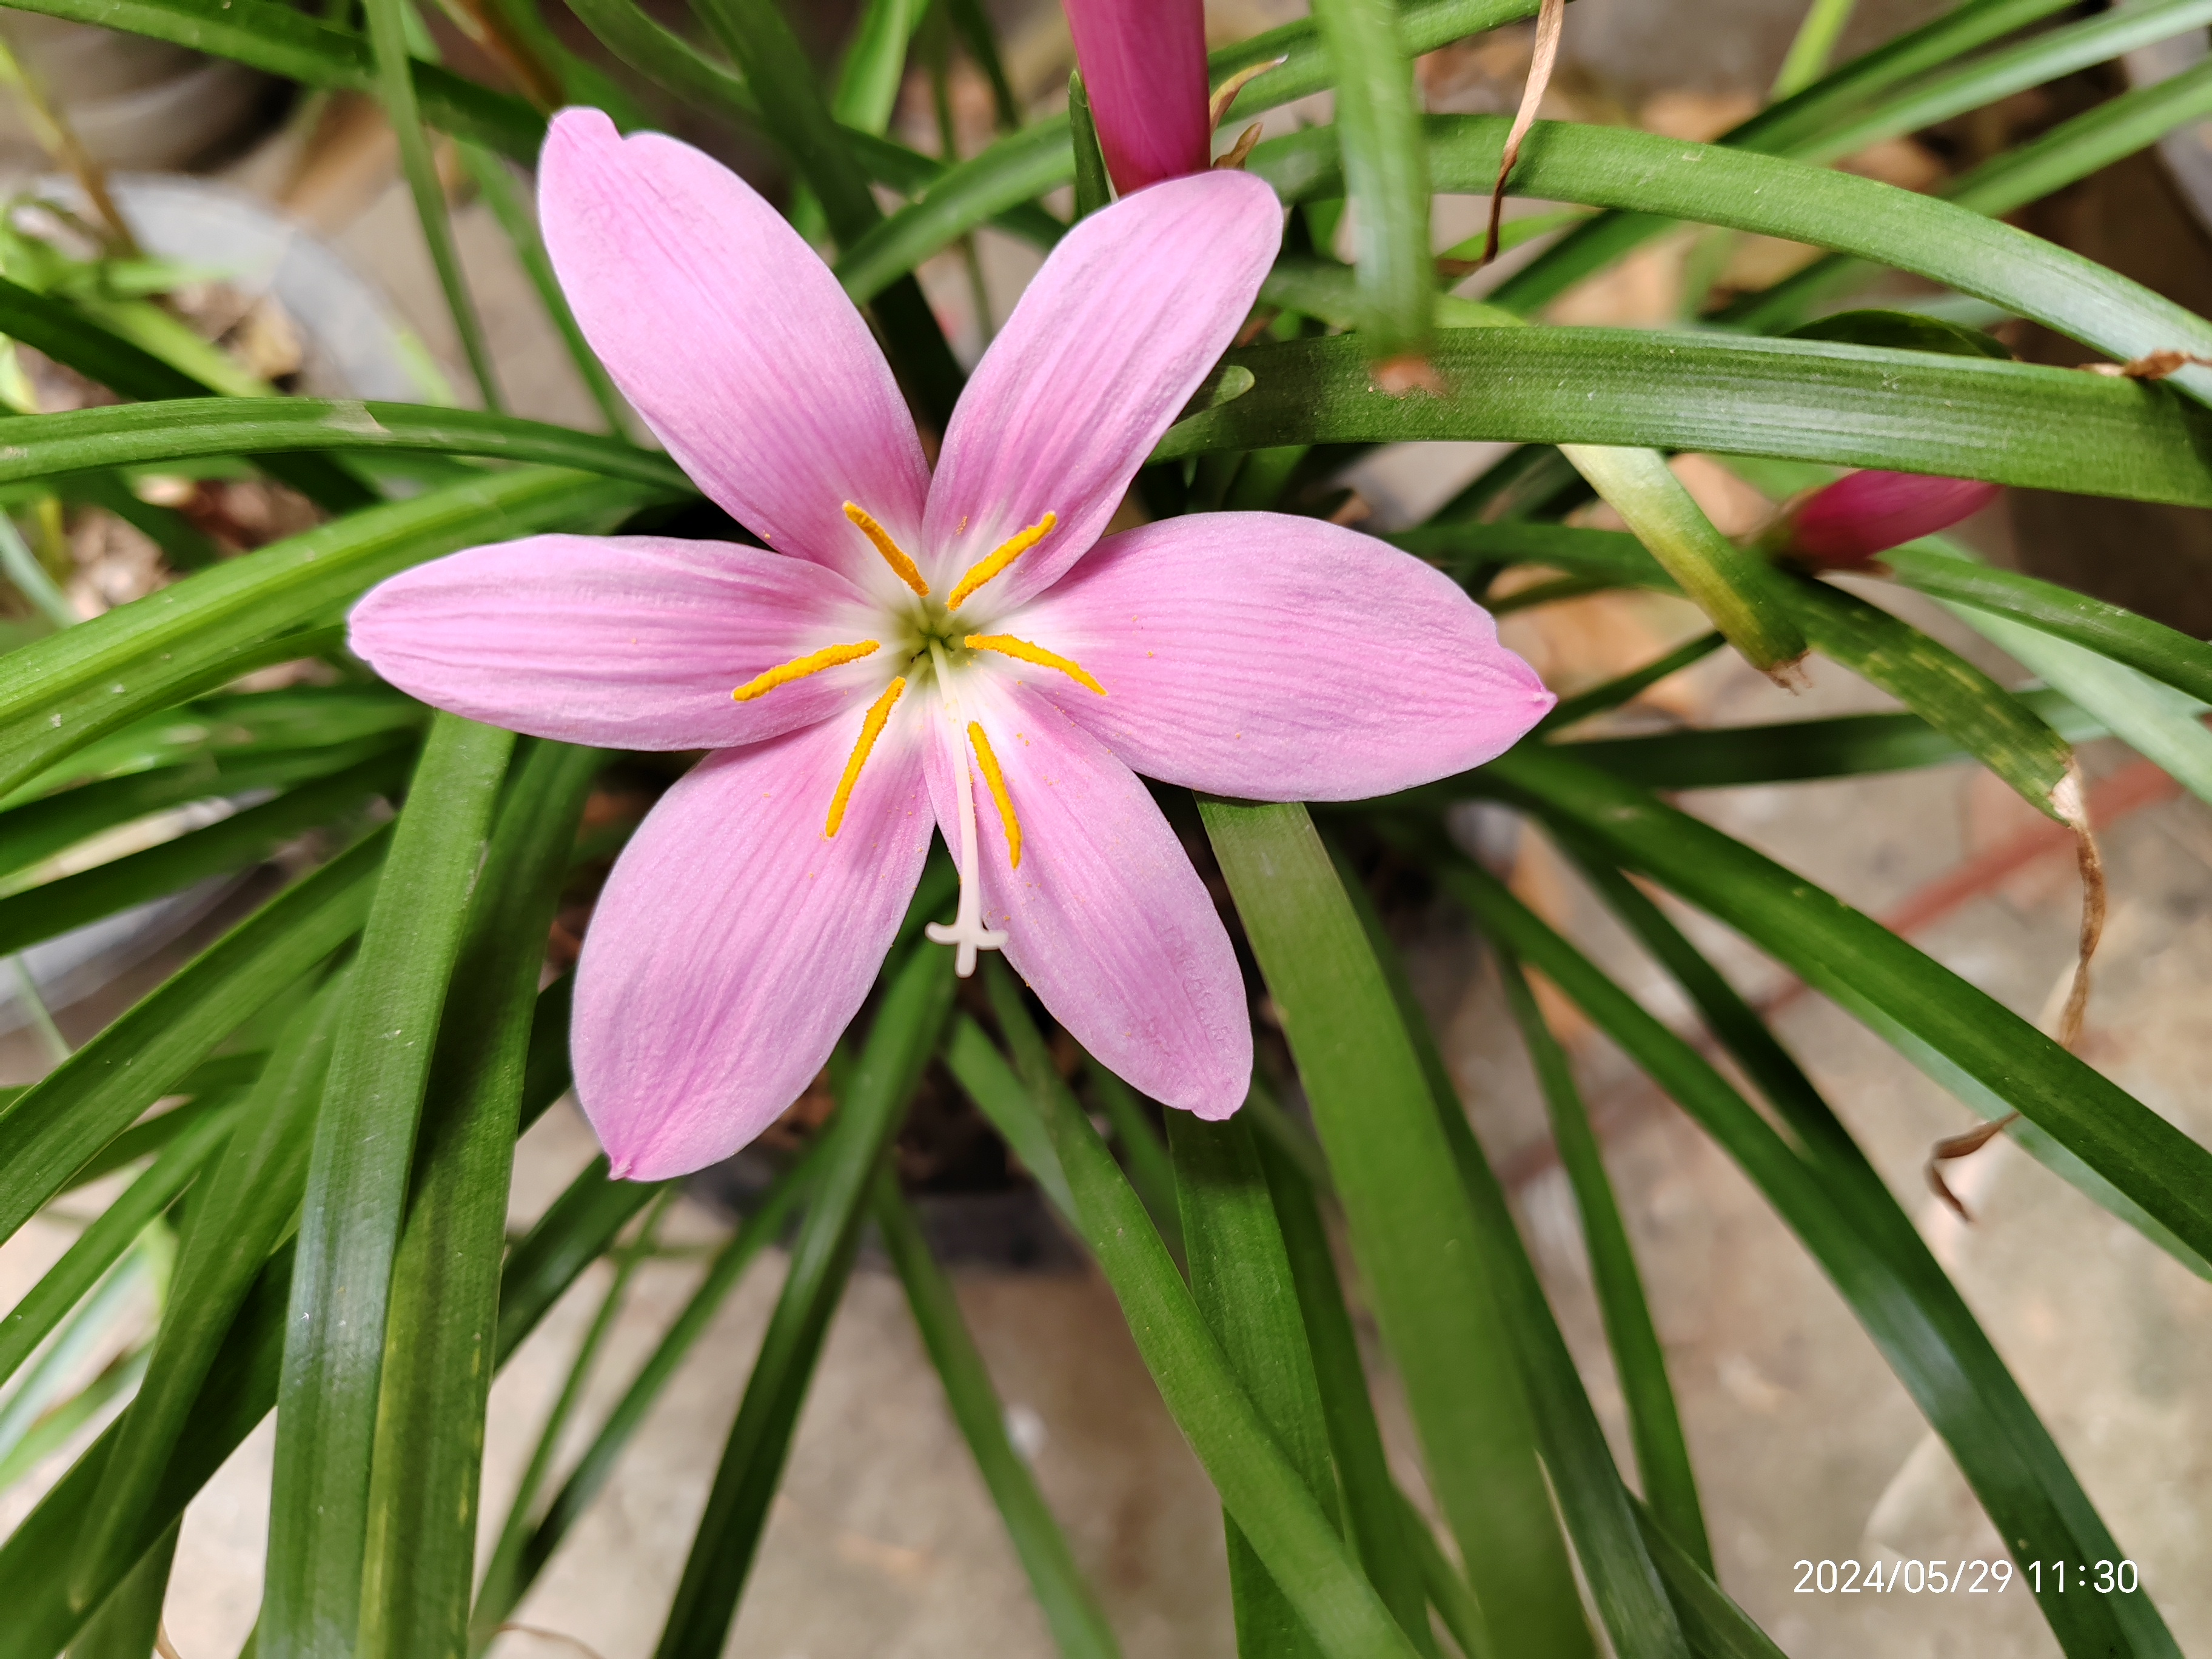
<point>1868,513</point>
<point>1144,70</point>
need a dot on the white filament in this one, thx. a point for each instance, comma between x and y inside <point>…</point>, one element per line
<point>967,931</point>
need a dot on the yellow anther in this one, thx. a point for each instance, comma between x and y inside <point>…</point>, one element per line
<point>1007,645</point>
<point>871,728</point>
<point>894,554</point>
<point>1003,555</point>
<point>997,779</point>
<point>830,656</point>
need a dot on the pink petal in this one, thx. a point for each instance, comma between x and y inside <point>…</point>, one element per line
<point>1143,71</point>
<point>624,641</point>
<point>734,942</point>
<point>1274,658</point>
<point>1105,918</point>
<point>1108,343</point>
<point>733,341</point>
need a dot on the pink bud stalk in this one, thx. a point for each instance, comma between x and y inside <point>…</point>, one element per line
<point>1144,70</point>
<point>1865,513</point>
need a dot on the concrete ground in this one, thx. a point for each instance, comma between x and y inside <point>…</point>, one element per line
<point>882,1541</point>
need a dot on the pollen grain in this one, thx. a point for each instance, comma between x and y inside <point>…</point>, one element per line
<point>830,656</point>
<point>1000,557</point>
<point>871,728</point>
<point>894,556</point>
<point>1007,645</point>
<point>997,779</point>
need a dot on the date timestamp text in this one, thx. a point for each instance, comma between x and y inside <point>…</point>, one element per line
<point>1968,1578</point>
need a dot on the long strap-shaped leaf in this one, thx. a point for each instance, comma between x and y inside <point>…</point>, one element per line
<point>2107,629</point>
<point>71,338</point>
<point>1940,686</point>
<point>92,1097</point>
<point>1617,167</point>
<point>228,845</point>
<point>1374,1514</point>
<point>1071,1608</point>
<point>1935,567</point>
<point>1260,1488</point>
<point>986,1078</point>
<point>1900,1296</point>
<point>58,694</point>
<point>213,1087</point>
<point>1386,171</point>
<point>1738,589</point>
<point>97,1247</point>
<point>1040,158</point>
<point>2163,725</point>
<point>2001,74</point>
<point>1662,1456</point>
<point>129,1623</point>
<point>515,1567</point>
<point>900,1043</point>
<point>1820,1132</point>
<point>388,29</point>
<point>38,830</point>
<point>1240,1276</point>
<point>1868,969</point>
<point>576,1230</point>
<point>423,1485</point>
<point>1790,752</point>
<point>1624,1581</point>
<point>193,427</point>
<point>553,1433</point>
<point>2047,429</point>
<point>235,1220</point>
<point>2066,154</point>
<point>1372,1105</point>
<point>240,1388</point>
<point>1953,696</point>
<point>357,1190</point>
<point>303,719</point>
<point>293,46</point>
<point>1775,130</point>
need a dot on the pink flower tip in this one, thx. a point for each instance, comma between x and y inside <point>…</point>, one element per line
<point>1143,71</point>
<point>1865,513</point>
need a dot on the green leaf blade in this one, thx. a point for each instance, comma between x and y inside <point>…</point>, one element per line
<point>357,1192</point>
<point>443,1315</point>
<point>1240,1276</point>
<point>1412,1229</point>
<point>1078,1625</point>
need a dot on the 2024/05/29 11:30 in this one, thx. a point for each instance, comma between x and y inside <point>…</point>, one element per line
<point>1971,1576</point>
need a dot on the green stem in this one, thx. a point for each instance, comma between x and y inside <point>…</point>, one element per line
<point>22,568</point>
<point>1662,1456</point>
<point>1807,60</point>
<point>395,85</point>
<point>42,1019</point>
<point>1078,1624</point>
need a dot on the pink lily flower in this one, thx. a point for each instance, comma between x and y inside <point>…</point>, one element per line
<point>909,653</point>
<point>1863,514</point>
<point>1143,71</point>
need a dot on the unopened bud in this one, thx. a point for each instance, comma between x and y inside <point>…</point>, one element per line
<point>1865,513</point>
<point>1143,71</point>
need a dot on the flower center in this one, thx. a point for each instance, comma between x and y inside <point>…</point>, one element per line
<point>933,642</point>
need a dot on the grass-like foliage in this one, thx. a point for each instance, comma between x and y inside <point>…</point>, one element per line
<point>315,1116</point>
